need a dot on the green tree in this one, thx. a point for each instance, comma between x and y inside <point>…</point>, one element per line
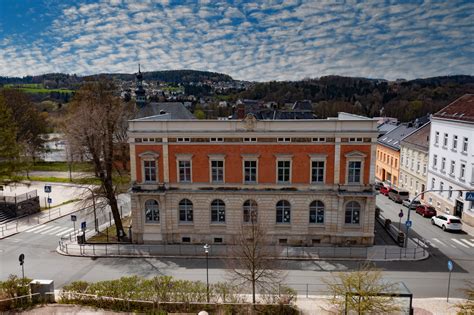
<point>199,114</point>
<point>9,147</point>
<point>360,291</point>
<point>467,307</point>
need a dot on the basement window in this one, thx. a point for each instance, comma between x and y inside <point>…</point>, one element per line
<point>217,239</point>
<point>186,240</point>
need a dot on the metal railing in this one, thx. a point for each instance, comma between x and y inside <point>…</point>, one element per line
<point>19,198</point>
<point>35,218</point>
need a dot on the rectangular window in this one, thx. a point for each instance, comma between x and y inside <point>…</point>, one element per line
<point>217,171</point>
<point>441,187</point>
<point>433,182</point>
<point>455,142</point>
<point>436,138</point>
<point>150,171</point>
<point>462,171</point>
<point>250,139</point>
<point>445,140</point>
<point>217,139</point>
<point>284,169</point>
<point>184,171</point>
<point>464,145</point>
<point>284,139</point>
<point>451,170</point>
<point>355,168</point>
<point>355,139</point>
<point>443,164</point>
<point>183,140</point>
<point>317,171</point>
<point>250,172</point>
<point>411,164</point>
<point>450,193</point>
<point>435,161</point>
<point>318,139</point>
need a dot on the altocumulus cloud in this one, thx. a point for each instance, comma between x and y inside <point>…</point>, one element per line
<point>263,40</point>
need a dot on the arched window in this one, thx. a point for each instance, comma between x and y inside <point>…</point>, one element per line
<point>283,212</point>
<point>185,210</point>
<point>316,212</point>
<point>218,211</point>
<point>152,211</point>
<point>352,213</point>
<point>250,211</point>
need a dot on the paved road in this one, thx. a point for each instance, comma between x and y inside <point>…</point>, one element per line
<point>426,278</point>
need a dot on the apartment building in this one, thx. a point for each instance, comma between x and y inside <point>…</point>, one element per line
<point>451,158</point>
<point>307,181</point>
<point>414,150</point>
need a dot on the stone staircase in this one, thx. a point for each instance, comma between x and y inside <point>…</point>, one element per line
<point>5,215</point>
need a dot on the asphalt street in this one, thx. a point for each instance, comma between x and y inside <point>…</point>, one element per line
<point>426,278</point>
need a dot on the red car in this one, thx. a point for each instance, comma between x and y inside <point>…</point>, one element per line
<point>426,211</point>
<point>384,190</point>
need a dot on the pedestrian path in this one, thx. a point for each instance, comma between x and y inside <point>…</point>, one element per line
<point>50,230</point>
<point>463,243</point>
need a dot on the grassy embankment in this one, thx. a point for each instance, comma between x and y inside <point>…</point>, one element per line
<point>35,88</point>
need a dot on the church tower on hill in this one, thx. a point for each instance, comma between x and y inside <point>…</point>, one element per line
<point>140,94</point>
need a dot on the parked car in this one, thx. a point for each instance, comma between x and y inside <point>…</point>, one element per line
<point>398,195</point>
<point>414,203</point>
<point>447,222</point>
<point>426,211</point>
<point>384,190</point>
<point>378,185</point>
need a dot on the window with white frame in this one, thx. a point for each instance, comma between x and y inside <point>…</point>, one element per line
<point>317,171</point>
<point>352,213</point>
<point>250,139</point>
<point>216,139</point>
<point>250,208</point>
<point>185,211</point>
<point>319,139</point>
<point>354,172</point>
<point>455,142</point>
<point>284,139</point>
<point>217,171</point>
<point>152,211</point>
<point>436,139</point>
<point>184,171</point>
<point>283,171</point>
<point>283,212</point>
<point>316,212</point>
<point>355,139</point>
<point>450,192</point>
<point>183,139</point>
<point>462,171</point>
<point>250,171</point>
<point>441,187</point>
<point>218,211</point>
<point>452,167</point>
<point>418,166</point>
<point>445,140</point>
<point>435,160</point>
<point>443,164</point>
<point>464,145</point>
<point>424,168</point>
<point>433,183</point>
<point>149,170</point>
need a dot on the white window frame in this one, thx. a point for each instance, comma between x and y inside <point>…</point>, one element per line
<point>158,210</point>
<point>216,157</point>
<point>183,139</point>
<point>435,161</point>
<point>445,140</point>
<point>285,139</point>
<point>245,158</point>
<point>465,145</point>
<point>149,156</point>
<point>455,143</point>
<point>356,139</point>
<point>283,158</point>
<point>216,139</point>
<point>352,214</point>
<point>443,165</point>
<point>436,139</point>
<point>355,156</point>
<point>317,158</point>
<point>183,158</point>
<point>452,169</point>
<point>252,139</point>
<point>318,139</point>
<point>462,171</point>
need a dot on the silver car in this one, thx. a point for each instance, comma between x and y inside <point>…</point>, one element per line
<point>414,204</point>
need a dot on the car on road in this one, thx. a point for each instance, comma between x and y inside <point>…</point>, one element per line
<point>414,203</point>
<point>426,211</point>
<point>398,195</point>
<point>378,185</point>
<point>447,222</point>
<point>384,190</point>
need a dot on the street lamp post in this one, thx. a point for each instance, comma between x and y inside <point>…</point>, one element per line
<point>206,250</point>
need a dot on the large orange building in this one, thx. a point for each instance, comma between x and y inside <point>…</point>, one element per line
<point>307,181</point>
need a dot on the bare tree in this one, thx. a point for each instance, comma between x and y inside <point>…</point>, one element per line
<point>94,126</point>
<point>254,261</point>
<point>362,291</point>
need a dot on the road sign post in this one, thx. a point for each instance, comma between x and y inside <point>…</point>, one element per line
<point>400,216</point>
<point>450,268</point>
<point>470,196</point>
<point>21,258</point>
<point>74,219</point>
<point>47,190</point>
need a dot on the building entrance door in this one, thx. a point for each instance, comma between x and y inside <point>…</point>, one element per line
<point>458,208</point>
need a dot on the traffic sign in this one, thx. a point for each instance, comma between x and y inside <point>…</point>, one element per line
<point>400,215</point>
<point>73,218</point>
<point>50,200</point>
<point>450,265</point>
<point>21,259</point>
<point>408,223</point>
<point>83,225</point>
<point>470,196</point>
<point>47,189</point>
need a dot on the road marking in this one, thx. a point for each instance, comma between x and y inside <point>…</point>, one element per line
<point>467,242</point>
<point>460,243</point>
<point>35,228</point>
<point>44,228</point>
<point>437,240</point>
<point>51,230</point>
<point>65,232</point>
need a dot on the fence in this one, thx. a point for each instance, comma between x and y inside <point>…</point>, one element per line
<point>25,300</point>
<point>19,198</point>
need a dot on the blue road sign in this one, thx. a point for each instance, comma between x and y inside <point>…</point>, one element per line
<point>47,189</point>
<point>83,225</point>
<point>73,218</point>
<point>50,201</point>
<point>470,196</point>
<point>408,223</point>
<point>450,265</point>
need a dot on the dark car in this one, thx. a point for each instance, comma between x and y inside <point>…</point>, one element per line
<point>426,211</point>
<point>378,185</point>
<point>384,190</point>
<point>414,203</point>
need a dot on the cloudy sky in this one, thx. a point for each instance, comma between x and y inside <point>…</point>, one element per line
<point>255,40</point>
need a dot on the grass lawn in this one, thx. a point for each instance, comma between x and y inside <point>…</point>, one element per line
<point>62,167</point>
<point>101,237</point>
<point>35,88</point>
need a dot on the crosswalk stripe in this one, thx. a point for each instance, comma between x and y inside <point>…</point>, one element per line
<point>51,230</point>
<point>44,228</point>
<point>35,228</point>
<point>65,232</point>
<point>467,242</point>
<point>437,240</point>
<point>460,243</point>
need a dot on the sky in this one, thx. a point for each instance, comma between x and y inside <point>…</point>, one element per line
<point>249,40</point>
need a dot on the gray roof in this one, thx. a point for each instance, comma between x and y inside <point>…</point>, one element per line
<point>392,138</point>
<point>386,127</point>
<point>176,110</point>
